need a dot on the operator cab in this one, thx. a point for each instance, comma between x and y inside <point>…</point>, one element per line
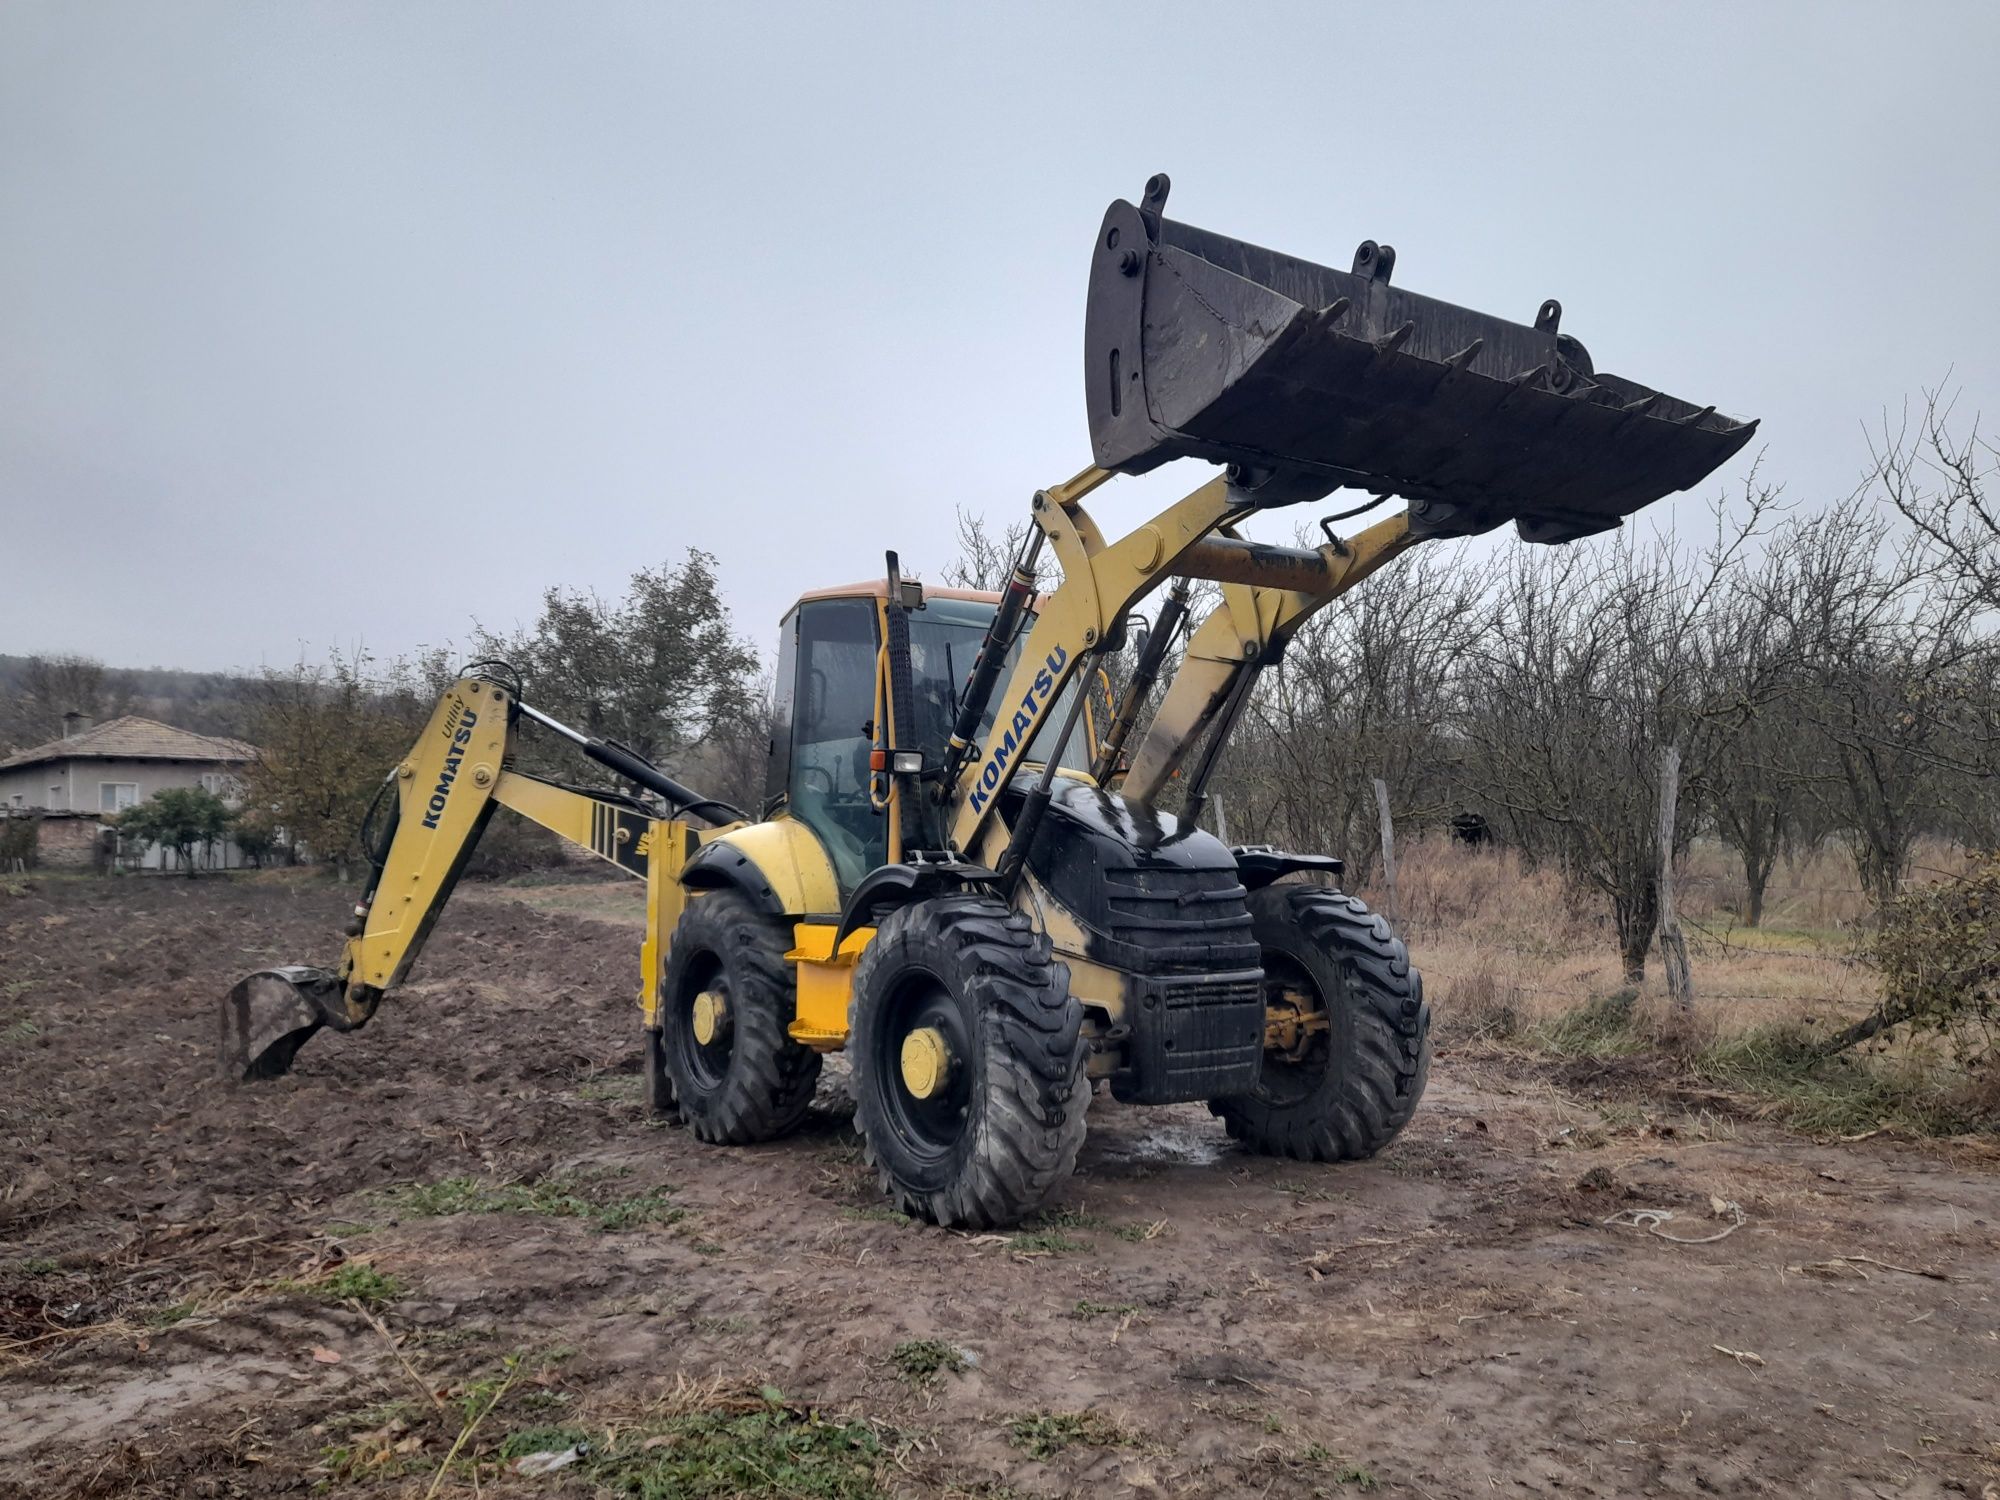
<point>831,688</point>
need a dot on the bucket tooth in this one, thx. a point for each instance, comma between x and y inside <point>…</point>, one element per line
<point>1223,351</point>
<point>1390,342</point>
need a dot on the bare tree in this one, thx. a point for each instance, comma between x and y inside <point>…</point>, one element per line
<point>1591,662</point>
<point>1937,478</point>
<point>1363,691</point>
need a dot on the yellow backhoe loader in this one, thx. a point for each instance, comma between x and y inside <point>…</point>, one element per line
<point>958,876</point>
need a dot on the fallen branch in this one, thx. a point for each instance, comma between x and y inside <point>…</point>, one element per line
<point>408,1368</point>
<point>1926,1272</point>
<point>1743,1357</point>
<point>1650,1220</point>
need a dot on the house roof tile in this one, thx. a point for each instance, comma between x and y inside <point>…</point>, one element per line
<point>134,738</point>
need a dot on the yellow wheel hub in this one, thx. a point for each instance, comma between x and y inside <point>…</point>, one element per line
<point>711,1016</point>
<point>927,1061</point>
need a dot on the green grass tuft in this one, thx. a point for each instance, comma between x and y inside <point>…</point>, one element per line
<point>773,1452</point>
<point>1085,1310</point>
<point>875,1213</point>
<point>1068,1218</point>
<point>20,1031</point>
<point>357,1281</point>
<point>1043,1434</point>
<point>1601,1027</point>
<point>922,1360</point>
<point>1046,1242</point>
<point>1845,1094</point>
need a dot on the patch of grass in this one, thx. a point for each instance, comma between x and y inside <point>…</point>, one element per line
<point>1043,1434</point>
<point>1085,1310</point>
<point>922,1360</point>
<point>562,1195</point>
<point>875,1213</point>
<point>167,1317</point>
<point>22,1030</point>
<point>1600,1027</point>
<point>357,1281</point>
<point>369,1418</point>
<point>1068,1218</point>
<point>775,1451</point>
<point>1139,1233</point>
<point>37,1265</point>
<point>1845,1094</point>
<point>735,1323</point>
<point>14,989</point>
<point>1359,1475</point>
<point>1046,1242</point>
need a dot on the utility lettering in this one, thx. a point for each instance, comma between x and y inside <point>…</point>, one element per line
<point>1018,729</point>
<point>460,734</point>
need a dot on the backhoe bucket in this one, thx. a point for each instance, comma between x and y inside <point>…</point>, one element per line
<point>269,1016</point>
<point>1308,378</point>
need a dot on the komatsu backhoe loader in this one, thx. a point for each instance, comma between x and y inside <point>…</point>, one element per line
<point>958,876</point>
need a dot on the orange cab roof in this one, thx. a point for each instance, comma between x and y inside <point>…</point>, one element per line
<point>878,588</point>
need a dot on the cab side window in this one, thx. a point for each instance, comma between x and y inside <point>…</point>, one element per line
<point>833,708</point>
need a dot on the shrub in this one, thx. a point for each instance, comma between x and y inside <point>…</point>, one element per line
<point>1939,954</point>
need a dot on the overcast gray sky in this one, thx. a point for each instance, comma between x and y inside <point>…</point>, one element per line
<point>336,324</point>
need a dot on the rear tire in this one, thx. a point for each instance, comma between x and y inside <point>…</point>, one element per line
<point>751,1082</point>
<point>1003,1129</point>
<point>1354,1084</point>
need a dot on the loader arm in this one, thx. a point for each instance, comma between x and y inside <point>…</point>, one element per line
<point>1267,594</point>
<point>438,800</point>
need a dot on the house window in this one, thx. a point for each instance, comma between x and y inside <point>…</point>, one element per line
<point>215,782</point>
<point>116,796</point>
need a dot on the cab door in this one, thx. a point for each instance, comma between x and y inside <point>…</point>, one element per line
<point>828,669</point>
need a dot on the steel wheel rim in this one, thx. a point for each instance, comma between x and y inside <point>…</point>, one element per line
<point>707,1063</point>
<point>1285,1080</point>
<point>929,1128</point>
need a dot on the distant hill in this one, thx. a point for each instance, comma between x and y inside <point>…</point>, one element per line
<point>33,700</point>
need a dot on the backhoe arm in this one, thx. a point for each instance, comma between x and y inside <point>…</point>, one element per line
<point>433,808</point>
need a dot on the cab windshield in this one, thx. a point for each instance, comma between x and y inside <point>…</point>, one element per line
<point>944,643</point>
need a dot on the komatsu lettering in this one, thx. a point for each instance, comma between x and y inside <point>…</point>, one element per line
<point>1019,729</point>
<point>460,738</point>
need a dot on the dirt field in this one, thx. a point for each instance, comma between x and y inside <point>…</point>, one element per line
<point>186,1268</point>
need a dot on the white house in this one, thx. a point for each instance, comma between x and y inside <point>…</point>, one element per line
<point>97,769</point>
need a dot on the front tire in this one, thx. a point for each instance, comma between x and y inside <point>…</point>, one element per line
<point>1001,1118</point>
<point>744,1080</point>
<point>1354,1064</point>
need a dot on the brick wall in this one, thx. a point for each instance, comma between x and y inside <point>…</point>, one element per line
<point>68,843</point>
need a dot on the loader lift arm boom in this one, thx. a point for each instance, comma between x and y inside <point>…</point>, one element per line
<point>1267,592</point>
<point>440,797</point>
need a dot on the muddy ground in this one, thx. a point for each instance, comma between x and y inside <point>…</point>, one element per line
<point>186,1267</point>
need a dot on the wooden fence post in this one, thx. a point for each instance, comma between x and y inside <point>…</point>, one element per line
<point>1673,947</point>
<point>1388,847</point>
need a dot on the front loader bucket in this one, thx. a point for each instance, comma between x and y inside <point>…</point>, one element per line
<point>269,1016</point>
<point>1308,378</point>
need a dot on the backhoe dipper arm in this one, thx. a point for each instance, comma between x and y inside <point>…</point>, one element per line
<point>440,796</point>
